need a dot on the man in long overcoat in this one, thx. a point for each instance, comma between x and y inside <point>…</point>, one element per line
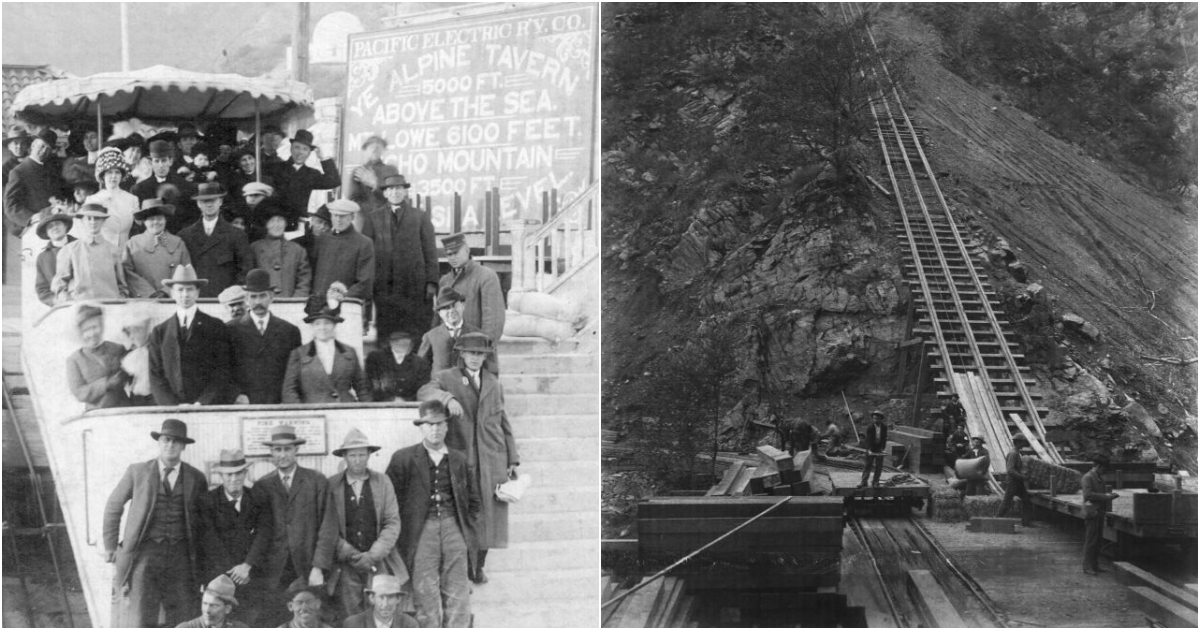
<point>480,427</point>
<point>261,345</point>
<point>479,286</point>
<point>343,254</point>
<point>299,497</point>
<point>32,182</point>
<point>189,352</point>
<point>155,561</point>
<point>406,261</point>
<point>437,344</point>
<point>365,186</point>
<point>219,251</point>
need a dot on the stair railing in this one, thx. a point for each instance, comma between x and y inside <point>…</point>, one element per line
<point>567,240</point>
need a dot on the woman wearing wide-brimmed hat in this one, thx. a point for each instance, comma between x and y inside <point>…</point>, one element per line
<point>110,171</point>
<point>89,268</point>
<point>56,230</point>
<point>94,370</point>
<point>324,370</point>
<point>152,256</point>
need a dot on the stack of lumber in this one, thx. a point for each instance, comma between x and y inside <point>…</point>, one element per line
<point>774,473</point>
<point>925,448</point>
<point>983,417</point>
<point>1121,474</point>
<point>610,450</point>
<point>1166,603</point>
<point>1038,474</point>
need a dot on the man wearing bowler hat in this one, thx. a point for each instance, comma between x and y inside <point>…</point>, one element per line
<point>299,497</point>
<point>295,182</point>
<point>217,602</point>
<point>236,527</point>
<point>261,344</point>
<point>365,187</point>
<point>479,286</point>
<point>189,351</point>
<point>32,182</point>
<point>155,561</point>
<point>479,426</point>
<point>439,504</point>
<point>220,251</point>
<point>89,268</point>
<point>406,261</point>
<point>285,261</point>
<point>55,230</point>
<point>361,526</point>
<point>152,256</point>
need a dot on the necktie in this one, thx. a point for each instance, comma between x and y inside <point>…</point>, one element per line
<point>167,479</point>
<point>287,483</point>
<point>262,327</point>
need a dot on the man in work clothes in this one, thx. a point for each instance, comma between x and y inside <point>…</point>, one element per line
<point>216,606</point>
<point>299,497</point>
<point>1096,503</point>
<point>189,352</point>
<point>384,596</point>
<point>1016,484</point>
<point>406,261</point>
<point>155,562</point>
<point>479,286</point>
<point>439,504</point>
<point>875,441</point>
<point>261,345</point>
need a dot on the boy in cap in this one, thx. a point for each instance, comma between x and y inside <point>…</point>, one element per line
<point>216,605</point>
<point>189,351</point>
<point>479,286</point>
<point>875,441</point>
<point>439,505</point>
<point>437,345</point>
<point>285,261</point>
<point>395,373</point>
<point>156,559</point>
<point>236,527</point>
<point>295,182</point>
<point>261,345</point>
<point>365,188</point>
<point>406,262</point>
<point>384,595</point>
<point>90,267</point>
<point>360,534</point>
<point>344,255</point>
<point>55,230</point>
<point>234,300</point>
<point>220,251</point>
<point>152,256</point>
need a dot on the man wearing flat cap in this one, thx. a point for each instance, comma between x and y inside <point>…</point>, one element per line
<point>479,286</point>
<point>406,262</point>
<point>365,182</point>
<point>89,268</point>
<point>261,344</point>
<point>168,185</point>
<point>439,507</point>
<point>189,351</point>
<point>285,261</point>
<point>220,251</point>
<point>55,230</point>
<point>344,255</point>
<point>361,525</point>
<point>155,561</point>
<point>295,182</point>
<point>32,182</point>
<point>217,602</point>
<point>152,256</point>
<point>479,426</point>
<point>236,528</point>
<point>299,497</point>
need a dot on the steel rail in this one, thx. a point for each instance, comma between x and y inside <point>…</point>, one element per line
<point>900,618</point>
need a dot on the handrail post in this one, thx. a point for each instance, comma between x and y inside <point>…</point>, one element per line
<point>522,262</point>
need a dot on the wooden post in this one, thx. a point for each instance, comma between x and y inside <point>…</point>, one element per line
<point>922,369</point>
<point>456,219</point>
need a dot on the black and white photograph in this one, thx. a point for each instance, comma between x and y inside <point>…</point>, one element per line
<point>301,314</point>
<point>899,323</point>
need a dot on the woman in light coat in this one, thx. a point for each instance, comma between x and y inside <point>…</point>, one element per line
<point>152,256</point>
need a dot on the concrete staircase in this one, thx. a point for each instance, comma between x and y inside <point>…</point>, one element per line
<point>548,576</point>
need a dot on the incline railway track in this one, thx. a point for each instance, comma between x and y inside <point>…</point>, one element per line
<point>968,345</point>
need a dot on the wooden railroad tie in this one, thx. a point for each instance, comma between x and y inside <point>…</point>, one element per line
<point>992,525</point>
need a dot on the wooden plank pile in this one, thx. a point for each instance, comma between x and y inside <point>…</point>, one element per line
<point>773,473</point>
<point>1121,474</point>
<point>925,448</point>
<point>1166,603</point>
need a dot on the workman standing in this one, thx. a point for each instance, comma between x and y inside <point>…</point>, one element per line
<point>875,441</point>
<point>1096,503</point>
<point>1016,483</point>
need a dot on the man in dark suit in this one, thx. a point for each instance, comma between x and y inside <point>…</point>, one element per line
<point>189,352</point>
<point>299,497</point>
<point>875,441</point>
<point>219,251</point>
<point>295,182</point>
<point>479,286</point>
<point>261,344</point>
<point>406,261</point>
<point>439,504</point>
<point>32,182</point>
<point>384,595</point>
<point>236,529</point>
<point>164,183</point>
<point>156,559</point>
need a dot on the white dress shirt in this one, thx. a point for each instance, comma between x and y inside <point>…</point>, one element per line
<point>186,316</point>
<point>325,352</point>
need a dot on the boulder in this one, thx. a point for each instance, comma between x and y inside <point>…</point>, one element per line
<point>1090,331</point>
<point>1033,290</point>
<point>1138,415</point>
<point>1073,321</point>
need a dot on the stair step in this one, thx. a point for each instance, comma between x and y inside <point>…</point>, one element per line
<point>545,498</point>
<point>563,425</point>
<point>555,449</point>
<point>535,526</point>
<point>545,556</point>
<point>535,345</point>
<point>531,610</point>
<point>551,403</point>
<point>547,363</point>
<point>531,589</point>
<point>550,383</point>
<point>576,474</point>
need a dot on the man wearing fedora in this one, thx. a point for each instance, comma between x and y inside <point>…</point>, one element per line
<point>365,186</point>
<point>324,370</point>
<point>32,182</point>
<point>344,254</point>
<point>90,267</point>
<point>406,261</point>
<point>155,561</point>
<point>261,344</point>
<point>217,602</point>
<point>296,182</point>
<point>480,427</point>
<point>439,507</point>
<point>55,230</point>
<point>189,351</point>
<point>285,261</point>
<point>152,256</point>
<point>236,528</point>
<point>437,345</point>
<point>299,497</point>
<point>384,596</point>
<point>362,524</point>
<point>479,286</point>
<point>220,251</point>
<point>168,185</point>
